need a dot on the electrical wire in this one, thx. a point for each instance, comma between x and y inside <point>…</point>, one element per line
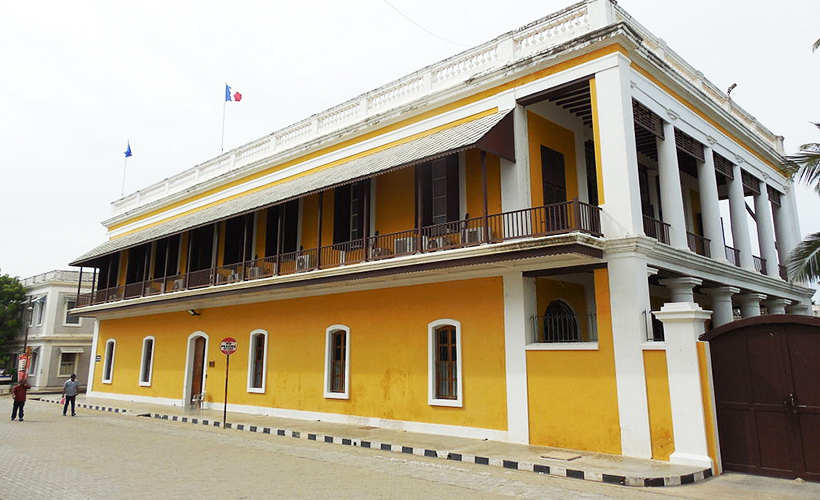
<point>423,28</point>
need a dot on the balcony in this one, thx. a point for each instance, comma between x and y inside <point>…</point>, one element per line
<point>559,218</point>
<point>698,244</point>
<point>733,255</point>
<point>657,229</point>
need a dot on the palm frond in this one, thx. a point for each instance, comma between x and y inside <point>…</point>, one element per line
<point>804,260</point>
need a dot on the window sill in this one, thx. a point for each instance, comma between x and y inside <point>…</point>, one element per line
<point>72,325</point>
<point>652,345</point>
<point>563,346</point>
<point>106,381</point>
<point>256,390</point>
<point>449,403</point>
<point>144,384</point>
<point>336,395</point>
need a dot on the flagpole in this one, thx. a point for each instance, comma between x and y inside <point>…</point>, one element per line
<point>222,145</point>
<point>122,191</point>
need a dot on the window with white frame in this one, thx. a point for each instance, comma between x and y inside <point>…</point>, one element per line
<point>108,361</point>
<point>257,361</point>
<point>32,363</point>
<point>337,362</point>
<point>147,361</point>
<point>70,320</point>
<point>444,363</point>
<point>68,364</point>
<point>41,311</point>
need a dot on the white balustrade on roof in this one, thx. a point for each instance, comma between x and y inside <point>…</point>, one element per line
<point>535,37</point>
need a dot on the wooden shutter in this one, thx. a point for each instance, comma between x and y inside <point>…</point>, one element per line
<point>553,176</point>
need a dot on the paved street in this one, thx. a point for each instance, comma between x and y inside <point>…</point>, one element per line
<point>102,455</point>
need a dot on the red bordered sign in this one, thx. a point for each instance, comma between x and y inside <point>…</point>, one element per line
<point>228,345</point>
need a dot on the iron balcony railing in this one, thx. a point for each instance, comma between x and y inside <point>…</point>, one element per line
<point>733,255</point>
<point>698,244</point>
<point>562,328</point>
<point>655,228</point>
<point>784,272</point>
<point>760,264</point>
<point>533,222</point>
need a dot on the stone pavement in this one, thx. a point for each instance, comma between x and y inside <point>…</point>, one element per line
<point>112,456</point>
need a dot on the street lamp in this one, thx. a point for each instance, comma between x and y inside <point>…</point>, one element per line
<point>29,308</point>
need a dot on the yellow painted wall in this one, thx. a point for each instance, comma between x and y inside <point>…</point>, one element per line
<point>474,191</point>
<point>395,203</point>
<point>596,130</point>
<point>261,233</point>
<point>123,270</point>
<point>388,352</point>
<point>544,132</point>
<point>220,246</point>
<point>708,409</point>
<point>183,254</point>
<point>547,290</point>
<point>573,400</point>
<point>660,408</point>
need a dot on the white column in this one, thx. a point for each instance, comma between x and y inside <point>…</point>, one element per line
<point>722,312</point>
<point>681,289</point>
<point>683,322</point>
<point>803,308</point>
<point>671,196</point>
<point>519,306</point>
<point>92,362</point>
<point>515,177</point>
<point>710,206</point>
<point>629,300</point>
<point>615,136</point>
<point>765,230</point>
<point>776,306</point>
<point>750,304</point>
<point>47,352</point>
<point>740,227</point>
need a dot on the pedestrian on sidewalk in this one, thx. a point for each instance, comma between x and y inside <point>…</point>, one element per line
<point>70,390</point>
<point>19,393</point>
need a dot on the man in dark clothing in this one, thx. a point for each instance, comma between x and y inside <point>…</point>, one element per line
<point>19,393</point>
<point>70,390</point>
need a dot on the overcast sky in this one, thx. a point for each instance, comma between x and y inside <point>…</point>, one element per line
<point>81,78</point>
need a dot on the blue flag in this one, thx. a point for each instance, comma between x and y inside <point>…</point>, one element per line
<point>227,92</point>
<point>128,150</point>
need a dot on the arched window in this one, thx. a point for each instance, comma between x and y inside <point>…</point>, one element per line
<point>560,323</point>
<point>337,362</point>
<point>108,363</point>
<point>257,361</point>
<point>147,363</point>
<point>444,349</point>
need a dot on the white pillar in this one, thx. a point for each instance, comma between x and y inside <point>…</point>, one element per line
<point>515,177</point>
<point>615,136</point>
<point>722,310</point>
<point>765,230</point>
<point>803,308</point>
<point>710,206</point>
<point>683,322</point>
<point>629,301</point>
<point>47,353</point>
<point>740,227</point>
<point>776,306</point>
<point>681,289</point>
<point>92,362</point>
<point>519,306</point>
<point>750,304</point>
<point>671,195</point>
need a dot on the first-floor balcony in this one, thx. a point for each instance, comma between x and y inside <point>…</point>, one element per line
<point>554,219</point>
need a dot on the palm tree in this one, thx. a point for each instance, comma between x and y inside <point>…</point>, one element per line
<point>804,261</point>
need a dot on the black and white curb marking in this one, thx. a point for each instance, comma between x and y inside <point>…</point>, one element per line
<point>450,455</point>
<point>426,452</point>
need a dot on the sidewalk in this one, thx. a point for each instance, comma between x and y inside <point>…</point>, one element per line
<point>589,466</point>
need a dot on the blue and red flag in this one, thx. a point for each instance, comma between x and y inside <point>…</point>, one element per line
<point>236,96</point>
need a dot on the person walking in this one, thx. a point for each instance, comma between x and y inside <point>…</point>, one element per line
<point>70,390</point>
<point>19,393</point>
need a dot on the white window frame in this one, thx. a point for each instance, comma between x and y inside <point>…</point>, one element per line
<point>113,343</point>
<point>65,313</point>
<point>41,312</point>
<point>257,390</point>
<point>150,365</point>
<point>329,357</point>
<point>60,364</point>
<point>431,365</point>
<point>32,365</point>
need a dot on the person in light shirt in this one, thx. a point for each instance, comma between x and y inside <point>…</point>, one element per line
<point>70,390</point>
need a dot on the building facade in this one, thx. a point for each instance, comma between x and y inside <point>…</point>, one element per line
<point>519,243</point>
<point>60,342</point>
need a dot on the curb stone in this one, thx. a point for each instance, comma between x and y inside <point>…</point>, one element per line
<point>586,475</point>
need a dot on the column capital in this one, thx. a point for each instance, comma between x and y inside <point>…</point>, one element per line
<point>681,311</point>
<point>681,288</point>
<point>776,306</point>
<point>751,298</point>
<point>721,291</point>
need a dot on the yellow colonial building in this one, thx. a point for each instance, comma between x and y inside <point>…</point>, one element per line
<point>475,249</point>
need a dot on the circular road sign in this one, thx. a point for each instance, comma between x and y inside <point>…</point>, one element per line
<point>228,345</point>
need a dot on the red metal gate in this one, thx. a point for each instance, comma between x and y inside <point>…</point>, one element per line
<point>767,391</point>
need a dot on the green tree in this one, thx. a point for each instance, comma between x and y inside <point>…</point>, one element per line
<point>804,261</point>
<point>12,296</point>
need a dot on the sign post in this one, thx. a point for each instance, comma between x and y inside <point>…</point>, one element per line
<point>228,347</point>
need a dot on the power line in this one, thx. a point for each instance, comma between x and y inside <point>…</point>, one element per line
<point>423,28</point>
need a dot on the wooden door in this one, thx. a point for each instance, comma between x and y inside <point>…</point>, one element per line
<point>767,393</point>
<point>554,186</point>
<point>198,367</point>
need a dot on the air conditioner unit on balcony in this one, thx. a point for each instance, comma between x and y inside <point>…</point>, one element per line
<point>434,243</point>
<point>254,272</point>
<point>473,235</point>
<point>303,263</point>
<point>406,245</point>
<point>179,284</point>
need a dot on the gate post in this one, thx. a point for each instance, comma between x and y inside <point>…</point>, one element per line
<point>683,323</point>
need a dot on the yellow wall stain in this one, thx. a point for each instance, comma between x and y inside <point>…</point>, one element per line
<point>660,407</point>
